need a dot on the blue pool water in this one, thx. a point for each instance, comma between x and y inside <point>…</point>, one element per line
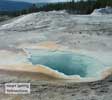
<point>68,63</point>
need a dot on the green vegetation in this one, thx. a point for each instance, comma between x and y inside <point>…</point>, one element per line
<point>80,7</point>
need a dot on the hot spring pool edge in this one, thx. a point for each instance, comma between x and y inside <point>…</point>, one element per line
<point>102,74</point>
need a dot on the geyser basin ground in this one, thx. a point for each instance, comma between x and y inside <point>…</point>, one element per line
<point>67,63</point>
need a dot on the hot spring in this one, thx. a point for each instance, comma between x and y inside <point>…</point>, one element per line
<point>68,63</point>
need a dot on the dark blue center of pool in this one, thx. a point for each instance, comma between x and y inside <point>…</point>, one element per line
<point>67,62</point>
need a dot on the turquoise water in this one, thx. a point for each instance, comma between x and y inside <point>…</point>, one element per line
<point>68,63</point>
